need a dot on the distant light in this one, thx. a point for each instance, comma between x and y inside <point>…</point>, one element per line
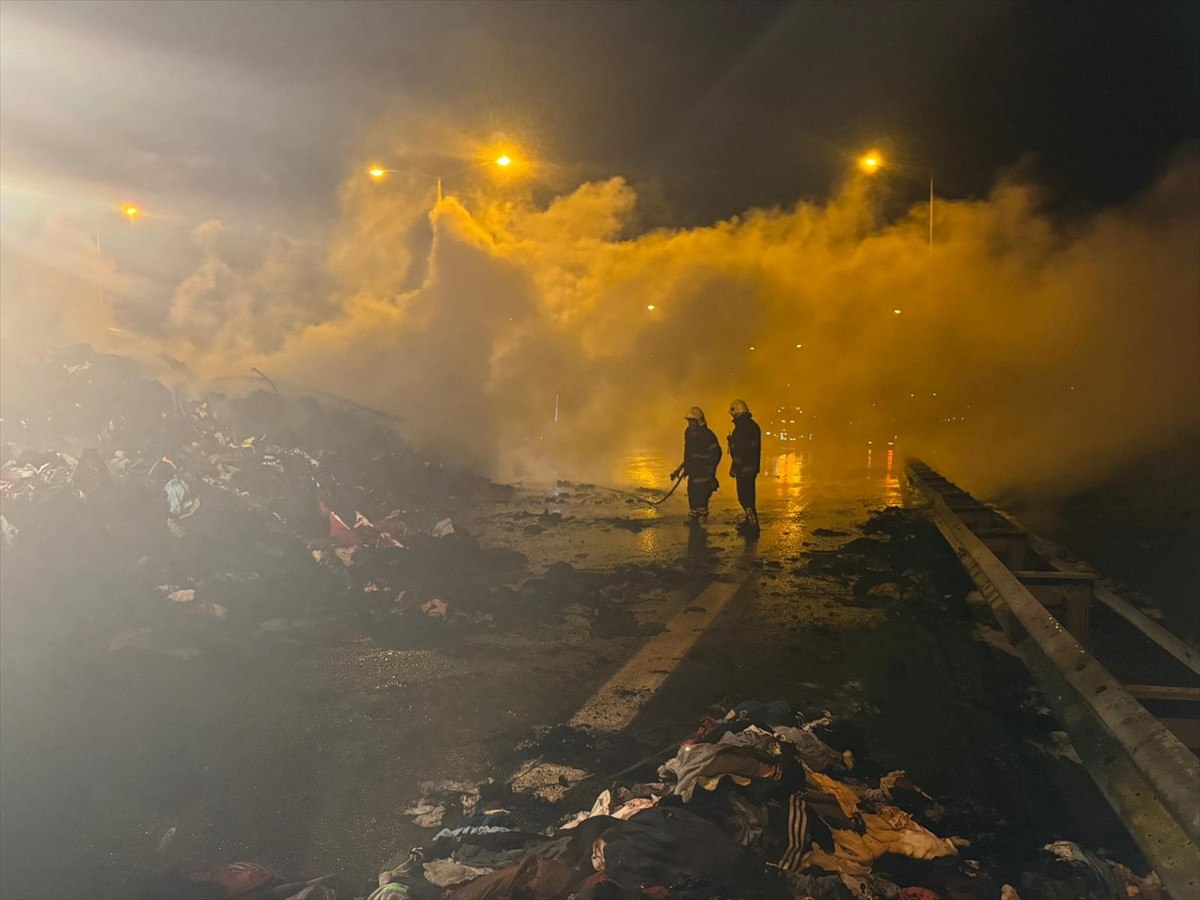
<point>798,346</point>
<point>870,162</point>
<point>896,312</point>
<point>650,306</point>
<point>751,348</point>
<point>376,172</point>
<point>503,161</point>
<point>131,211</point>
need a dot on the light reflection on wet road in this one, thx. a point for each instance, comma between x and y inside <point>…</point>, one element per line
<point>798,491</point>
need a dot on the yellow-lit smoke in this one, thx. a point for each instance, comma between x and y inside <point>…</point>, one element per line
<point>1017,349</point>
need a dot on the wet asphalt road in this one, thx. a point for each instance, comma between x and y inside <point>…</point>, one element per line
<point>308,765</point>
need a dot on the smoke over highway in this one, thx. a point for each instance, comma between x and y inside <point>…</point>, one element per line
<point>1017,348</point>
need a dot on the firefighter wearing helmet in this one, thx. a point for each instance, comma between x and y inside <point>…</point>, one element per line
<point>701,456</point>
<point>745,459</point>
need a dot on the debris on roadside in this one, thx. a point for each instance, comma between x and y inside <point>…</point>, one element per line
<point>177,493</point>
<point>439,796</point>
<point>246,881</point>
<point>752,805</point>
<point>326,509</point>
<point>545,780</point>
<point>294,526</point>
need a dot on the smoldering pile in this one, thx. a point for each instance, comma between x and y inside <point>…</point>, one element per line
<point>149,522</point>
<point>754,805</point>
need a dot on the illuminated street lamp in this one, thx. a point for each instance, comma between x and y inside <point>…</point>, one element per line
<point>131,211</point>
<point>378,173</point>
<point>872,162</point>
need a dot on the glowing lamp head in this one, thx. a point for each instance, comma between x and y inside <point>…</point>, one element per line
<point>376,172</point>
<point>504,161</point>
<point>131,211</point>
<point>870,162</point>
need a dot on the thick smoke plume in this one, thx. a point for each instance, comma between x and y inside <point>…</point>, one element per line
<point>1017,349</point>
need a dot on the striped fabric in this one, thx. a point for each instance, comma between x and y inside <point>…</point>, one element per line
<point>797,834</point>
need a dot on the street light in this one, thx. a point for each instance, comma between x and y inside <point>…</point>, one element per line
<point>131,211</point>
<point>872,162</point>
<point>378,173</point>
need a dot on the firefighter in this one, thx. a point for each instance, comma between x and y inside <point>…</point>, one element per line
<point>745,459</point>
<point>701,456</point>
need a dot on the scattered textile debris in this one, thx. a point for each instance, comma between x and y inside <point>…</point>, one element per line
<point>449,872</point>
<point>426,815</point>
<point>549,781</point>
<point>9,531</point>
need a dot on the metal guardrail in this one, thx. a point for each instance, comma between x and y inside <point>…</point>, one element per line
<point>1181,650</point>
<point>1148,776</point>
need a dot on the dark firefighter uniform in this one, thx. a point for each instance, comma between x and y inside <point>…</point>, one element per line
<point>701,456</point>
<point>745,455</point>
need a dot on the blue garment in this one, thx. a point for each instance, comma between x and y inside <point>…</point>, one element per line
<point>177,491</point>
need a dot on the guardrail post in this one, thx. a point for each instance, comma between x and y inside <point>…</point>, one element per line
<point>1068,595</point>
<point>1009,545</point>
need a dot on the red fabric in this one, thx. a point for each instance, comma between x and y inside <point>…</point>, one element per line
<point>239,879</point>
<point>339,531</point>
<point>707,724</point>
<point>918,893</point>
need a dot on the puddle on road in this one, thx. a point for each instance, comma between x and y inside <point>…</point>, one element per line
<point>804,500</point>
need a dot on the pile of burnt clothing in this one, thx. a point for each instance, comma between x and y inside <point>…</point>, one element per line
<point>752,805</point>
<point>755,804</point>
<point>260,519</point>
<point>276,450</point>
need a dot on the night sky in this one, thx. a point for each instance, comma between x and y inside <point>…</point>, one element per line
<point>707,108</point>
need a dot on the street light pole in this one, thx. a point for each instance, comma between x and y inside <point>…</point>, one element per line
<point>930,212</point>
<point>378,172</point>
